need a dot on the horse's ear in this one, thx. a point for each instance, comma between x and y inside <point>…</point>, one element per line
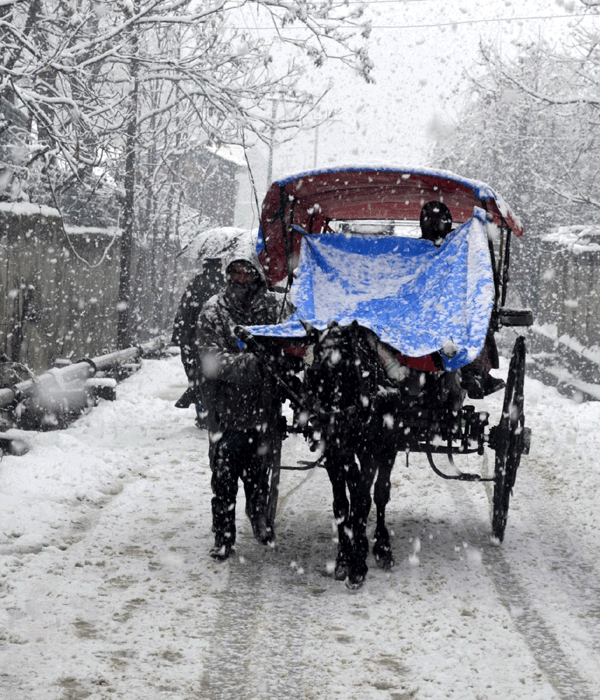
<point>354,329</point>
<point>312,333</point>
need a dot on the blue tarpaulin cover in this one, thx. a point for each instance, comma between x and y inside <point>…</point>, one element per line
<point>415,296</point>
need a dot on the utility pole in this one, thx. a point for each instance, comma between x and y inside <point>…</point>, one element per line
<point>274,103</point>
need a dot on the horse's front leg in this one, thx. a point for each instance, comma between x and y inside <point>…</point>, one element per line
<point>383,461</point>
<point>336,469</point>
<point>359,484</point>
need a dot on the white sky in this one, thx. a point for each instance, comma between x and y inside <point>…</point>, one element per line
<point>421,50</point>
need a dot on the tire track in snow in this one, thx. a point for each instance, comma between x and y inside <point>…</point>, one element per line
<point>258,638</point>
<point>568,565</point>
<point>282,635</point>
<point>228,663</point>
<point>542,642</point>
<point>540,639</point>
<point>578,572</point>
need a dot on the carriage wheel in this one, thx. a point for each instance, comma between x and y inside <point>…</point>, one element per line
<point>510,438</point>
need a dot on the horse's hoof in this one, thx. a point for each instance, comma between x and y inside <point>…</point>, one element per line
<point>354,583</point>
<point>341,571</point>
<point>383,556</point>
<point>385,561</point>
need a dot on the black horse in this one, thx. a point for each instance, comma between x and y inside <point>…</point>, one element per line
<point>353,399</point>
<point>360,413</point>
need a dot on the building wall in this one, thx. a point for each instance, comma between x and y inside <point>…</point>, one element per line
<point>212,187</point>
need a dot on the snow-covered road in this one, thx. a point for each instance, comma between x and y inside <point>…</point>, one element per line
<point>107,589</point>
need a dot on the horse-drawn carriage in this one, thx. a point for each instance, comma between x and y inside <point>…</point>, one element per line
<point>372,296</point>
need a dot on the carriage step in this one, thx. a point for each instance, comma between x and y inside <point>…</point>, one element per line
<point>515,317</point>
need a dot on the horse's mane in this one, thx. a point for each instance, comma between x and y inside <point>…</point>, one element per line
<point>344,382</point>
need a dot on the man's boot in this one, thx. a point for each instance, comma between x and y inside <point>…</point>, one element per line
<point>224,529</point>
<point>492,384</point>
<point>263,532</point>
<point>257,513</point>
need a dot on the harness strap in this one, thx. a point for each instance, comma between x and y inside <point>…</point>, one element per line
<point>307,465</point>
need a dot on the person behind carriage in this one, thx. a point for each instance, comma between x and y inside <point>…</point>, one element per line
<point>242,400</point>
<point>436,223</point>
<point>202,286</point>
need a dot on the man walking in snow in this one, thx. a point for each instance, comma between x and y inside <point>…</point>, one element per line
<point>242,401</point>
<point>203,286</point>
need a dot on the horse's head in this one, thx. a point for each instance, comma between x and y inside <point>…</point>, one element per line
<point>342,380</point>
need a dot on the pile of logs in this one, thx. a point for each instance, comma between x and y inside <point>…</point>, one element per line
<point>56,397</point>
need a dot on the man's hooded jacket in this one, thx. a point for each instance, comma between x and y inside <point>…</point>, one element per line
<point>235,390</point>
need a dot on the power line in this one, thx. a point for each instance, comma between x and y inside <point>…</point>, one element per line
<point>451,23</point>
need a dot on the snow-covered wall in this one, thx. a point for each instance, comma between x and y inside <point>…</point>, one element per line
<point>59,294</point>
<point>569,283</point>
<point>60,287</point>
<point>558,276</point>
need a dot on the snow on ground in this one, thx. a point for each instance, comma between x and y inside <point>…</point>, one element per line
<point>108,592</point>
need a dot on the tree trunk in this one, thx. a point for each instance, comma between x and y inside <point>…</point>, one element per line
<point>124,330</point>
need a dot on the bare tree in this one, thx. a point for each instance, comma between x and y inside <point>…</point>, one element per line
<point>103,84</point>
<point>530,129</point>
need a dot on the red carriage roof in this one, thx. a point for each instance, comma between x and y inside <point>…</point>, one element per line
<point>310,200</point>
